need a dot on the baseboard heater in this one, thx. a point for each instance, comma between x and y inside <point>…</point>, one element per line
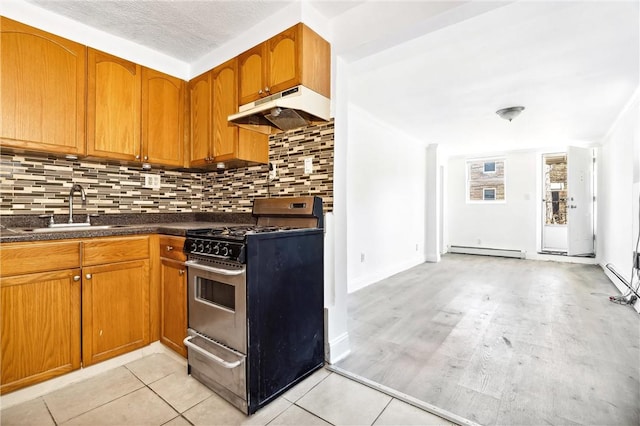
<point>486,251</point>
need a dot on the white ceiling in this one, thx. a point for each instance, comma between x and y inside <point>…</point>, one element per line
<point>572,64</point>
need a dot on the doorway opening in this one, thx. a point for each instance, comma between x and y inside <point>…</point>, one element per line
<point>568,203</point>
<point>554,203</point>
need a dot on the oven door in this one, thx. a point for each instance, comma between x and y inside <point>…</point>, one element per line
<point>218,301</point>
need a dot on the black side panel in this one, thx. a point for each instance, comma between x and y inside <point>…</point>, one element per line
<point>285,303</point>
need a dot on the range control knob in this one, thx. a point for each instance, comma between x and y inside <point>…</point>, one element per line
<point>200,247</point>
<point>192,246</point>
<point>225,250</point>
<point>207,247</point>
<point>216,248</point>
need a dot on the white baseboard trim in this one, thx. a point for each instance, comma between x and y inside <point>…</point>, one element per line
<point>39,389</point>
<point>488,251</point>
<point>337,349</point>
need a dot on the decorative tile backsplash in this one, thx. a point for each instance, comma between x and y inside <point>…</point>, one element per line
<point>32,184</point>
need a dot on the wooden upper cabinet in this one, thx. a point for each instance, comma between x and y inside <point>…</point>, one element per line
<point>163,112</point>
<point>252,78</point>
<point>42,90</point>
<point>200,98</point>
<point>113,107</point>
<point>295,56</point>
<point>283,66</point>
<point>225,103</point>
<point>213,97</point>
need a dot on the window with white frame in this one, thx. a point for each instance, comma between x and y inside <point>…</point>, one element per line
<point>486,180</point>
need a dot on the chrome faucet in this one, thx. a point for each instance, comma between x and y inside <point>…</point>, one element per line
<point>76,188</point>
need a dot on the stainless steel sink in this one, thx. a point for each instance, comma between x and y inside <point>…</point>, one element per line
<point>73,228</point>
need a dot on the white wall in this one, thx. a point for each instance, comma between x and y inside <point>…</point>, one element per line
<point>510,225</point>
<point>618,192</point>
<point>386,185</point>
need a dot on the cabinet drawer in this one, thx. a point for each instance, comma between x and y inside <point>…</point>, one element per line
<point>172,248</point>
<point>31,257</point>
<point>111,250</point>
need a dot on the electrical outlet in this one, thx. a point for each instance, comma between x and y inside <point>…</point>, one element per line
<point>308,166</point>
<point>152,181</point>
<point>273,171</point>
<point>361,257</point>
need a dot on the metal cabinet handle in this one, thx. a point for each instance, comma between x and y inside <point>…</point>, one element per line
<point>266,89</point>
<point>137,157</point>
<point>88,276</point>
<point>260,92</point>
<point>76,277</point>
<point>212,357</point>
<point>146,158</point>
<point>181,272</point>
<point>169,248</point>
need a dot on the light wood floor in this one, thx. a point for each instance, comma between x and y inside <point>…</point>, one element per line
<point>501,341</point>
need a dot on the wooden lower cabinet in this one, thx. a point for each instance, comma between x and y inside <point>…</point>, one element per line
<point>115,309</point>
<point>40,327</point>
<point>173,286</point>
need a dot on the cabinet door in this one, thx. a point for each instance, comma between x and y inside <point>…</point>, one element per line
<point>173,281</point>
<point>115,310</point>
<point>162,118</point>
<point>252,78</point>
<point>113,107</point>
<point>40,327</point>
<point>201,114</point>
<point>283,65</point>
<point>42,90</point>
<point>225,103</point>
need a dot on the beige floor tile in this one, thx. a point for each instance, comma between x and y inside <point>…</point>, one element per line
<point>306,385</point>
<point>341,401</point>
<point>401,413</point>
<point>217,411</point>
<point>296,416</point>
<point>178,421</point>
<point>32,412</point>
<point>142,407</point>
<point>155,367</point>
<point>181,391</point>
<point>81,397</point>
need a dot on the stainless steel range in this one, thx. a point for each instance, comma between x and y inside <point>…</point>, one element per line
<point>256,303</point>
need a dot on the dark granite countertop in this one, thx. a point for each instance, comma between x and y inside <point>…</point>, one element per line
<point>20,228</point>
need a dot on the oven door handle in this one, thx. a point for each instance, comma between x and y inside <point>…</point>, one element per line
<point>195,265</point>
<point>212,357</point>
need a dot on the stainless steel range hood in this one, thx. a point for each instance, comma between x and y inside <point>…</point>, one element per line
<point>286,110</point>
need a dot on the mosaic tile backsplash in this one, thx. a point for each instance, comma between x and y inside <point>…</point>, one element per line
<point>32,184</point>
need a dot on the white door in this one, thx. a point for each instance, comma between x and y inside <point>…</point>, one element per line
<point>580,201</point>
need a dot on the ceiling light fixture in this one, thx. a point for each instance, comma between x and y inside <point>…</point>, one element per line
<point>510,113</point>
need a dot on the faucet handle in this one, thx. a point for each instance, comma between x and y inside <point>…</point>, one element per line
<point>48,216</point>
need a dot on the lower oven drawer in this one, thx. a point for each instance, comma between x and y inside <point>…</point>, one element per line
<point>219,368</point>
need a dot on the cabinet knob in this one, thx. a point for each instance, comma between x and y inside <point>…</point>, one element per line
<point>146,158</point>
<point>137,157</point>
<point>88,276</point>
<point>181,272</point>
<point>76,277</point>
<point>169,248</point>
<point>266,89</point>
<point>260,92</point>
